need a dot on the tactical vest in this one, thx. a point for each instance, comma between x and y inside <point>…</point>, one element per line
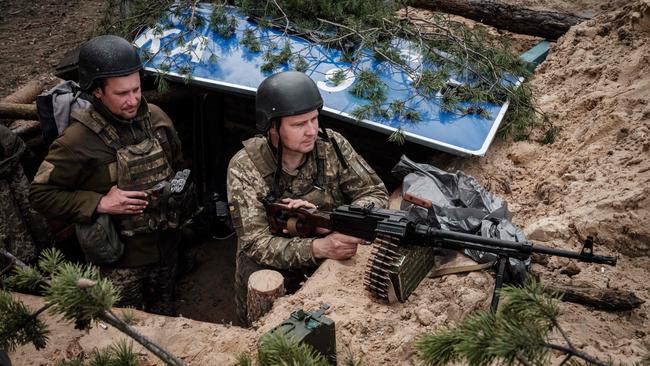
<point>140,167</point>
<point>327,196</point>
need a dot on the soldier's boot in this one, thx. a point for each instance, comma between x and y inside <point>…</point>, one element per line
<point>130,282</point>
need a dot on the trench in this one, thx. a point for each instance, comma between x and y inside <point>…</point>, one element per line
<point>211,126</point>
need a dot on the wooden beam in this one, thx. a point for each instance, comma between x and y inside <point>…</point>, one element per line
<point>609,299</point>
<point>547,24</point>
<point>18,111</point>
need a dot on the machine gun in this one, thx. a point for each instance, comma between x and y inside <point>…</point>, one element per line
<point>403,248</point>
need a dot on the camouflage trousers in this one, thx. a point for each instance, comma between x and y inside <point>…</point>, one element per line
<point>245,266</point>
<point>148,288</point>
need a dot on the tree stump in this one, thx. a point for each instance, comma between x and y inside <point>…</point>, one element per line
<point>264,287</point>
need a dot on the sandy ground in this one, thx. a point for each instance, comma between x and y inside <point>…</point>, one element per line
<point>592,181</point>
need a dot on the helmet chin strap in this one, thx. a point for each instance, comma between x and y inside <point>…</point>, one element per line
<point>337,149</point>
<point>276,190</point>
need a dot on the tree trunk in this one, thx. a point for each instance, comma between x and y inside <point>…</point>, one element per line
<point>264,287</point>
<point>18,111</point>
<point>598,298</point>
<point>547,24</point>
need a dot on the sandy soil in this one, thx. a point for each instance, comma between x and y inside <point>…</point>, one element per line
<point>592,181</point>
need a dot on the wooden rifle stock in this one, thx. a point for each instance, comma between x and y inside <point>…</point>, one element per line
<point>301,221</point>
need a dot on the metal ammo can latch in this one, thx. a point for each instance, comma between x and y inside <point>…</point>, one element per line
<point>314,329</point>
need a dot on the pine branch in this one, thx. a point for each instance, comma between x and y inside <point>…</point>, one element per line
<point>12,258</point>
<point>160,352</point>
<point>77,292</point>
<point>574,352</point>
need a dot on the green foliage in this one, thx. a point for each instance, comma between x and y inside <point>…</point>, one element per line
<point>278,349</point>
<point>222,23</point>
<point>549,135</point>
<point>307,13</point>
<point>50,259</point>
<point>119,354</point>
<point>273,60</point>
<point>517,334</point>
<point>69,297</point>
<point>128,316</point>
<point>349,359</point>
<point>18,326</point>
<point>77,293</point>
<point>250,41</point>
<point>397,137</point>
<point>26,278</point>
<point>430,83</point>
<point>162,84</point>
<point>244,360</point>
<point>300,64</point>
<point>338,77</point>
<point>645,360</point>
<point>144,14</point>
<point>369,86</point>
<point>356,27</point>
<point>385,52</point>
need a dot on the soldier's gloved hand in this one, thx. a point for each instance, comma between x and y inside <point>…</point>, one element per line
<point>336,246</point>
<point>119,202</point>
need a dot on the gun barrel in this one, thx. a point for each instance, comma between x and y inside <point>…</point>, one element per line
<point>433,235</point>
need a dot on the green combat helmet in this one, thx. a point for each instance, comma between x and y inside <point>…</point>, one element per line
<point>313,329</point>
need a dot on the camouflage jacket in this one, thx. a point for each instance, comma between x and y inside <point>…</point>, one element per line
<point>80,169</point>
<point>22,230</point>
<point>250,175</point>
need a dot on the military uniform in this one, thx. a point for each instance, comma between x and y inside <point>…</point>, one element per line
<point>22,230</point>
<point>79,170</point>
<point>250,177</point>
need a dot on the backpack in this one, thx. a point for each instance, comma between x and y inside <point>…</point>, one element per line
<point>54,107</point>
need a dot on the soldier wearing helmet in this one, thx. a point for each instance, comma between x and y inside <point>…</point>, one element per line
<point>297,161</point>
<point>98,174</point>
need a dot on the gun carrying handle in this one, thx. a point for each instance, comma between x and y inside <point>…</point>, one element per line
<point>422,202</point>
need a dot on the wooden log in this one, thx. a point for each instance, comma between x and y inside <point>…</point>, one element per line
<point>264,287</point>
<point>29,91</point>
<point>18,111</point>
<point>24,128</point>
<point>609,299</point>
<point>547,24</point>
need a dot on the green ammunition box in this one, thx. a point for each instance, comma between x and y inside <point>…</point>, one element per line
<point>313,329</point>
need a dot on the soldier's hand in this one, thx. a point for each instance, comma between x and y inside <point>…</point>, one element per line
<point>336,246</point>
<point>119,202</point>
<point>293,203</point>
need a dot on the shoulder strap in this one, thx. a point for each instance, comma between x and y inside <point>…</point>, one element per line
<point>261,155</point>
<point>337,149</point>
<point>94,122</point>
